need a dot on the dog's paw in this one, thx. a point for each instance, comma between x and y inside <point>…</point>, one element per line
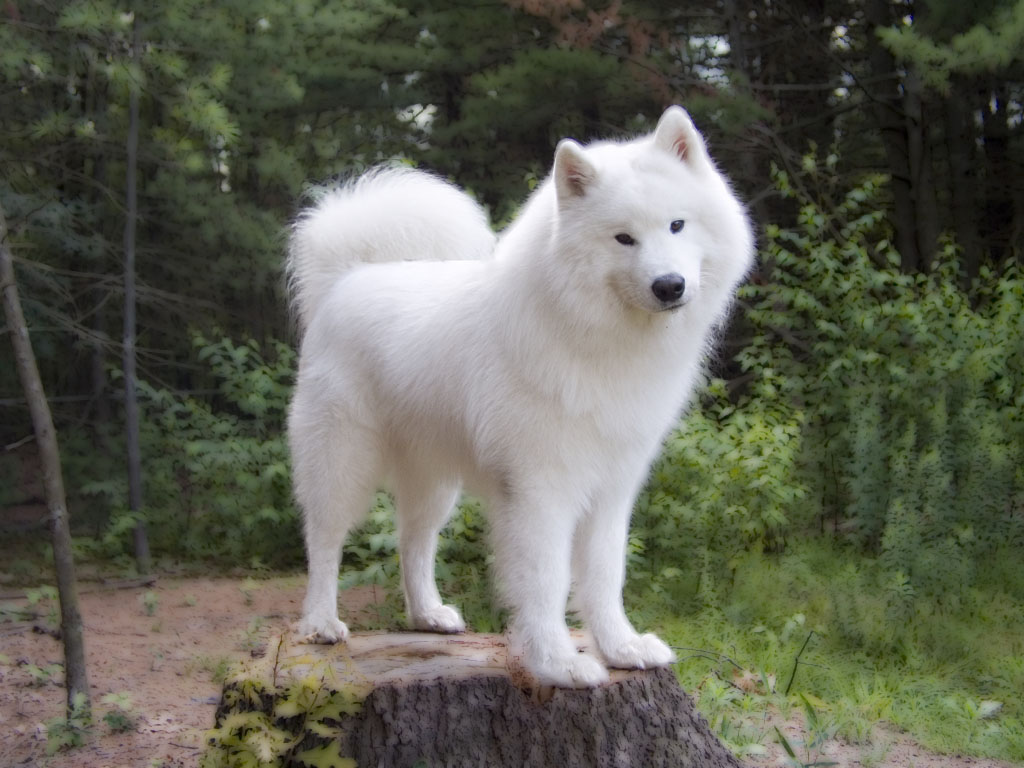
<point>640,652</point>
<point>579,670</point>
<point>326,630</point>
<point>444,619</point>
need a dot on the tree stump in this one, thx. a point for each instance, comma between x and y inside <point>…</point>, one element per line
<point>411,700</point>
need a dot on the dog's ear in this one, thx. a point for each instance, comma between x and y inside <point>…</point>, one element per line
<point>573,172</point>
<point>676,134</point>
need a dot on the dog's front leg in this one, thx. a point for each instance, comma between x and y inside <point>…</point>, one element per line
<point>533,546</point>
<point>599,565</point>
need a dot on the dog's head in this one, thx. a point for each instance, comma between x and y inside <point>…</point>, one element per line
<point>652,218</point>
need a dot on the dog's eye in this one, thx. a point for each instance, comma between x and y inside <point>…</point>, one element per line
<point>676,226</point>
<point>625,239</point>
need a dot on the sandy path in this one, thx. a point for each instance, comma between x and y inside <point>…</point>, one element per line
<point>166,662</point>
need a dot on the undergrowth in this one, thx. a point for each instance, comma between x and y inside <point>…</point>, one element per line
<point>949,678</point>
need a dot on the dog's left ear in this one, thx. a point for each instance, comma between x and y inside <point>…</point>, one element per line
<point>676,134</point>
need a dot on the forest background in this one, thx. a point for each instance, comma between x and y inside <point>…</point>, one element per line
<point>850,479</point>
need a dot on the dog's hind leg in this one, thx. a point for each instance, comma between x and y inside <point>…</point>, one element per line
<point>423,506</point>
<point>335,475</point>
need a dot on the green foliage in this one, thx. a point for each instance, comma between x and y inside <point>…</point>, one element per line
<point>726,480</point>
<point>121,717</point>
<point>862,480</point>
<point>882,407</point>
<point>253,635</point>
<point>272,728</point>
<point>817,739</point>
<point>149,601</point>
<point>217,668</point>
<point>217,470</point>
<point>990,43</point>
<point>70,731</point>
<point>45,597</point>
<point>910,387</point>
<point>246,740</point>
<point>40,676</point>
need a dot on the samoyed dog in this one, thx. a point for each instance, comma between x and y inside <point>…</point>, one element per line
<point>541,372</point>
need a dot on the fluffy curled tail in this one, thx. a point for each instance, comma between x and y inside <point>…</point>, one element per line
<point>385,215</point>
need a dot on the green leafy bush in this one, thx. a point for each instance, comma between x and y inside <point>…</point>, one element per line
<point>217,477</point>
<point>727,480</point>
<point>884,408</point>
<point>912,388</point>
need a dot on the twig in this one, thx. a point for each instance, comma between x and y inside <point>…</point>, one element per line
<point>142,581</point>
<point>796,663</point>
<point>277,657</point>
<point>18,443</point>
<point>105,586</point>
<point>705,653</point>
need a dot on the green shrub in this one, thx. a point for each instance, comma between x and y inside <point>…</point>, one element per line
<point>216,470</point>
<point>884,408</point>
<point>911,387</point>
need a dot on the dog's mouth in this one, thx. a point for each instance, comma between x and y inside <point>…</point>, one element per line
<point>671,307</point>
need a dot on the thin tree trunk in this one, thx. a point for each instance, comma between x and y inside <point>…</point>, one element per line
<point>922,181</point>
<point>963,183</point>
<point>76,679</point>
<point>741,62</point>
<point>1000,174</point>
<point>892,124</point>
<point>98,353</point>
<point>131,403</point>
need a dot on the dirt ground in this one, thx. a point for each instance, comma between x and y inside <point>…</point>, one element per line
<point>167,662</point>
<point>165,645</point>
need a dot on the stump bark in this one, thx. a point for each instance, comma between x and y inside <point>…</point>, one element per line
<point>412,700</point>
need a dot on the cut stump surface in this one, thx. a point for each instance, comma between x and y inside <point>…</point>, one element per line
<point>412,700</point>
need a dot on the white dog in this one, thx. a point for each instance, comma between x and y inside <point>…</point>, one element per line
<point>541,373</point>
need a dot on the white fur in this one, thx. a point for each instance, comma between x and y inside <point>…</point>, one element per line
<point>542,379</point>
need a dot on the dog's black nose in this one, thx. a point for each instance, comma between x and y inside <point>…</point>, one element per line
<point>668,288</point>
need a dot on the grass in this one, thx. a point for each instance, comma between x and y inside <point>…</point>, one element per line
<point>217,667</point>
<point>949,678</point>
<point>815,627</point>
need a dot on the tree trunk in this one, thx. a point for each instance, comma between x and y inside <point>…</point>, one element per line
<point>740,59</point>
<point>76,679</point>
<point>416,699</point>
<point>922,181</point>
<point>963,175</point>
<point>892,124</point>
<point>1000,174</point>
<point>131,403</point>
